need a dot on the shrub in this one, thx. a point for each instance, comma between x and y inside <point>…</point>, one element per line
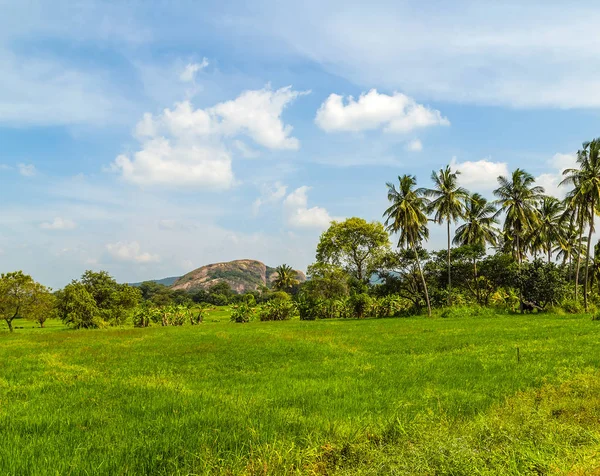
<point>360,304</point>
<point>277,310</point>
<point>242,313</point>
<point>571,306</point>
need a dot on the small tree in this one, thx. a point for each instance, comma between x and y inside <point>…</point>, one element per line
<point>355,245</point>
<point>286,278</point>
<point>77,307</point>
<point>21,296</point>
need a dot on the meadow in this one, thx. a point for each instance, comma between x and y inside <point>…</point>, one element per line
<point>505,394</point>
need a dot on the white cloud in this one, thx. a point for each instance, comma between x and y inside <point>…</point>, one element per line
<point>58,224</point>
<point>396,113</point>
<point>258,115</point>
<point>245,151</point>
<point>517,54</point>
<point>551,180</point>
<point>130,252</point>
<point>189,73</point>
<point>187,147</point>
<point>480,175</point>
<point>414,146</point>
<point>26,170</point>
<point>300,216</point>
<point>563,161</point>
<point>270,194</point>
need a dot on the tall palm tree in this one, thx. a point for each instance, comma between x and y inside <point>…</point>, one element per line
<point>586,182</point>
<point>575,213</point>
<point>407,216</point>
<point>551,224</point>
<point>447,204</point>
<point>479,228</point>
<point>286,278</point>
<point>518,199</point>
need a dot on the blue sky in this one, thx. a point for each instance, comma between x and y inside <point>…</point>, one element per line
<point>150,138</point>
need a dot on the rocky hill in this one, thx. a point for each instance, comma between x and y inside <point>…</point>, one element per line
<point>242,275</point>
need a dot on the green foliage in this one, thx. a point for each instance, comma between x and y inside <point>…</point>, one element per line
<point>97,300</point>
<point>359,305</point>
<point>354,245</point>
<point>277,310</point>
<point>77,307</point>
<point>21,296</point>
<point>242,313</point>
<point>286,278</point>
<point>542,283</point>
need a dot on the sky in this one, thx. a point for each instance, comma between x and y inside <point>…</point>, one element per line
<point>150,138</point>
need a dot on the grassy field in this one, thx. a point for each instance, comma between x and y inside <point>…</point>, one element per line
<point>388,396</point>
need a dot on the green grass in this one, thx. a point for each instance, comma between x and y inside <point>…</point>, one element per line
<point>388,396</point>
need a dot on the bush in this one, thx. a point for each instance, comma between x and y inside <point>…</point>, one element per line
<point>468,312</point>
<point>242,313</point>
<point>571,306</point>
<point>277,310</point>
<point>360,304</point>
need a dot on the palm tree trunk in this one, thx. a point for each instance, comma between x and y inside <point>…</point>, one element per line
<point>519,271</point>
<point>587,257</point>
<point>422,280</point>
<point>549,253</point>
<point>578,265</point>
<point>477,293</point>
<point>449,269</point>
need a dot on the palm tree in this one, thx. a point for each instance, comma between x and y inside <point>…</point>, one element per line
<point>518,199</point>
<point>551,224</point>
<point>446,204</point>
<point>407,216</point>
<point>586,182</point>
<point>479,228</point>
<point>286,278</point>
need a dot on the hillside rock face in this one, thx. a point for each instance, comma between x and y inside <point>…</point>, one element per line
<point>242,275</point>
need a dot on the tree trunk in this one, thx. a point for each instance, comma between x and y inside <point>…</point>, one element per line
<point>449,269</point>
<point>9,322</point>
<point>477,293</point>
<point>549,254</point>
<point>587,257</point>
<point>519,272</point>
<point>578,265</point>
<point>422,280</point>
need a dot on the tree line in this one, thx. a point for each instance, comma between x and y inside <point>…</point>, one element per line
<point>521,249</point>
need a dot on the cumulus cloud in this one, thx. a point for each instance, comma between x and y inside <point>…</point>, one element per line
<point>185,146</point>
<point>551,180</point>
<point>397,113</point>
<point>58,224</point>
<point>27,170</point>
<point>300,216</point>
<point>414,146</point>
<point>131,252</point>
<point>189,72</point>
<point>270,194</point>
<point>480,175</point>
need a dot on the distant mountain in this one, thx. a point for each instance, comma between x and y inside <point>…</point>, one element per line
<point>164,281</point>
<point>242,275</point>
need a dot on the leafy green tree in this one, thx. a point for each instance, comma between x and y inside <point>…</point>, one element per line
<point>77,308</point>
<point>446,204</point>
<point>286,278</point>
<point>21,296</point>
<point>353,244</point>
<point>407,216</point>
<point>112,302</point>
<point>542,283</point>
<point>586,182</point>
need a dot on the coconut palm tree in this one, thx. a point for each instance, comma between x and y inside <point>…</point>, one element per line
<point>586,182</point>
<point>479,228</point>
<point>518,199</point>
<point>407,216</point>
<point>551,224</point>
<point>286,278</point>
<point>447,204</point>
